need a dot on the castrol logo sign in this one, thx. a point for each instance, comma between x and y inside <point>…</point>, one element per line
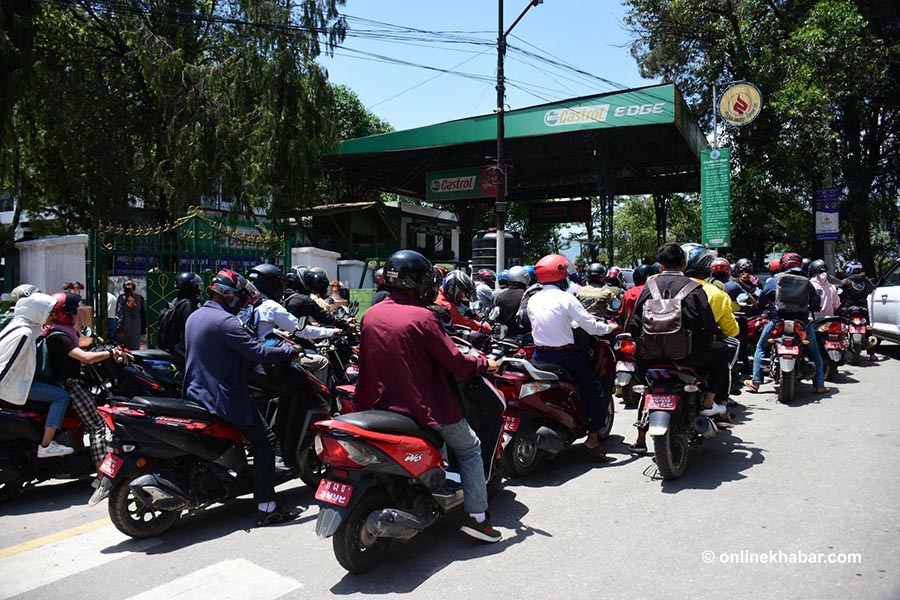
<point>576,116</point>
<point>454,184</point>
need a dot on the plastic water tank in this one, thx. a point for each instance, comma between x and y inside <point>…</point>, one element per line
<point>484,250</point>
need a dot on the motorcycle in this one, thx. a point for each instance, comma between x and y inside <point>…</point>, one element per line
<point>169,455</point>
<point>673,398</point>
<point>857,318</point>
<point>544,409</point>
<point>832,334</point>
<point>625,370</point>
<point>388,479</point>
<point>21,430</point>
<point>789,337</point>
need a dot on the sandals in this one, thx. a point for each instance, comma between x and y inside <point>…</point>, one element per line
<point>751,385</point>
<point>597,454</point>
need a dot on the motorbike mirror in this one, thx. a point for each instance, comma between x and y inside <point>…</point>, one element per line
<point>301,323</point>
<point>743,298</point>
<point>87,331</point>
<point>615,304</point>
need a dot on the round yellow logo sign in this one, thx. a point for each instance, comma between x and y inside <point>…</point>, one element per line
<point>740,103</point>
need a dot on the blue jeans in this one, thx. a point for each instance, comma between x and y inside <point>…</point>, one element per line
<point>55,396</point>
<point>466,447</point>
<point>589,387</point>
<point>812,350</point>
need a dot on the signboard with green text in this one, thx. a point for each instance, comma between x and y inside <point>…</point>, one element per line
<point>715,193</point>
<point>459,184</point>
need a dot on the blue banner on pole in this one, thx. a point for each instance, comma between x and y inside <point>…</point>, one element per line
<point>827,203</point>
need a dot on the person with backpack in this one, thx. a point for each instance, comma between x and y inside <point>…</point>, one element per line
<point>170,328</point>
<point>66,358</point>
<point>18,367</point>
<point>789,295</point>
<point>551,311</point>
<point>18,292</point>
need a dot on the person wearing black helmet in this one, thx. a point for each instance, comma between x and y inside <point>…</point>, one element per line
<point>219,352</point>
<point>300,302</point>
<point>381,292</point>
<point>405,361</point>
<point>316,281</point>
<point>267,314</point>
<point>508,300</point>
<point>171,336</point>
<point>596,296</point>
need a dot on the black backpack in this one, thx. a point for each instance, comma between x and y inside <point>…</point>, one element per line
<point>663,335</point>
<point>792,294</point>
<point>167,334</point>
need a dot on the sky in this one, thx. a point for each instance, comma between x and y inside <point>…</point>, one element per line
<point>588,34</point>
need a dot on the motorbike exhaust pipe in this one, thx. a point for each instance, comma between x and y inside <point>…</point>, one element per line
<point>705,427</point>
<point>871,342</point>
<point>549,440</point>
<point>155,491</point>
<point>394,523</point>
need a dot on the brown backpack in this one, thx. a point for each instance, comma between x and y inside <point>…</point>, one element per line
<point>663,336</point>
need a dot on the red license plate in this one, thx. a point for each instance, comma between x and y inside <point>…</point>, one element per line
<point>334,492</point>
<point>834,346</point>
<point>660,402</point>
<point>857,329</point>
<point>792,350</point>
<point>511,424</point>
<point>111,465</point>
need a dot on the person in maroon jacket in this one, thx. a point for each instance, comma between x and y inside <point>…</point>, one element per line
<point>405,362</point>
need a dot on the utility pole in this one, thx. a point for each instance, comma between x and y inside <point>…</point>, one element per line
<point>501,172</point>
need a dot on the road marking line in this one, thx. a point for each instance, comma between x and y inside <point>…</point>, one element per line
<point>53,537</point>
<point>237,579</point>
<point>48,561</point>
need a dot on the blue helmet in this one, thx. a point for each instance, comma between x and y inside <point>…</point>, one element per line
<point>531,275</point>
<point>503,277</point>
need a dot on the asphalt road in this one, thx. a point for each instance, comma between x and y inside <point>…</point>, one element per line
<point>796,501</point>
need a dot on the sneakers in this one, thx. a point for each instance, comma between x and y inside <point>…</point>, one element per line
<point>279,515</point>
<point>717,409</point>
<point>53,449</point>
<point>480,531</point>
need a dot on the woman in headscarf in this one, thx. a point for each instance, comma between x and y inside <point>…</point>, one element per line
<point>131,317</point>
<point>18,361</point>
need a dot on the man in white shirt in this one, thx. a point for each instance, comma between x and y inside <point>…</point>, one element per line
<point>552,312</point>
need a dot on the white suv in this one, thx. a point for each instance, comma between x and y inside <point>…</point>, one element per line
<point>884,306</point>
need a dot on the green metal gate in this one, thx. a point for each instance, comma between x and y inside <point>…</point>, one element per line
<point>195,242</point>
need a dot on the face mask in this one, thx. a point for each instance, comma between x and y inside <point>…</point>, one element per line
<point>822,277</point>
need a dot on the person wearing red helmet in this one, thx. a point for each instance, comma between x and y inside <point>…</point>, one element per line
<point>66,359</point>
<point>551,312</point>
<point>219,353</point>
<point>774,266</point>
<point>790,264</point>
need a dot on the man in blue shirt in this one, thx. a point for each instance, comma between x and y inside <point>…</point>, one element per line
<point>219,352</point>
<point>790,262</point>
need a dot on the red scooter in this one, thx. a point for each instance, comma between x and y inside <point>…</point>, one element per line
<point>544,411</point>
<point>625,370</point>
<point>386,477</point>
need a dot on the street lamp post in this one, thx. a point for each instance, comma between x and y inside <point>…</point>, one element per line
<point>500,204</point>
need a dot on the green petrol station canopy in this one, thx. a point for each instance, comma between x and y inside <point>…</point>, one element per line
<point>639,141</point>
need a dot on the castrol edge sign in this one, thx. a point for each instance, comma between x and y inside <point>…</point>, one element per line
<point>458,184</point>
<point>576,116</point>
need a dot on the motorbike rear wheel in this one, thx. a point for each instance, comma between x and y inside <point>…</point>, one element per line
<point>831,371</point>
<point>355,548</point>
<point>628,397</point>
<point>786,388</point>
<point>522,456</point>
<point>671,452</point>
<point>610,419</point>
<point>855,353</point>
<point>134,519</point>
<point>312,469</point>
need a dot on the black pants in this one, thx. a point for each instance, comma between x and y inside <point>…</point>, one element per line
<point>712,361</point>
<point>262,442</point>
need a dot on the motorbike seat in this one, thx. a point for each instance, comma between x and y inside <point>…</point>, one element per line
<point>383,421</point>
<point>154,354</point>
<point>554,368</point>
<point>172,407</point>
<point>31,406</point>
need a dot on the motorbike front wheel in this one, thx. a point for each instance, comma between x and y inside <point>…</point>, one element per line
<point>9,489</point>
<point>610,419</point>
<point>671,451</point>
<point>355,548</point>
<point>312,469</point>
<point>133,518</point>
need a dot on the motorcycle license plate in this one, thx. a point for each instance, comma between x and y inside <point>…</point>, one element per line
<point>857,329</point>
<point>834,346</point>
<point>789,350</point>
<point>111,465</point>
<point>660,402</point>
<point>511,424</point>
<point>625,366</point>
<point>333,492</point>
